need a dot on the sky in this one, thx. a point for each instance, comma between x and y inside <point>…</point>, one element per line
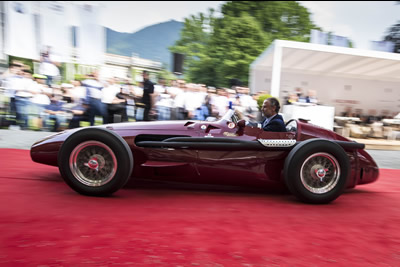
<point>131,16</point>
<point>360,21</point>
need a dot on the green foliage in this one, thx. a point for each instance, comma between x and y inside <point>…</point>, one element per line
<point>285,20</point>
<point>80,77</point>
<point>193,42</point>
<point>236,43</point>
<point>25,61</point>
<point>393,35</point>
<point>167,75</point>
<point>63,70</point>
<point>261,98</point>
<point>133,75</point>
<point>219,49</point>
<point>330,42</point>
<point>351,45</point>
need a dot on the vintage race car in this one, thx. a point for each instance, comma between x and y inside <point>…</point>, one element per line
<point>315,164</point>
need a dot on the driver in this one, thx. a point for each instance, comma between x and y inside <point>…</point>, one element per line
<point>272,122</point>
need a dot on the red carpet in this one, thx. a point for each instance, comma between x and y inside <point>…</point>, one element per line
<point>44,222</point>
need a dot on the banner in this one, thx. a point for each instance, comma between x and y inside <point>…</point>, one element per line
<point>55,32</point>
<point>384,46</point>
<point>90,35</point>
<point>318,37</point>
<point>20,32</point>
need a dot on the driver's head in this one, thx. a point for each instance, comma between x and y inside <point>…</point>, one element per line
<point>270,107</point>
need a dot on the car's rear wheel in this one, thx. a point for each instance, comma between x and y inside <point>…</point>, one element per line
<point>316,171</point>
<point>95,162</point>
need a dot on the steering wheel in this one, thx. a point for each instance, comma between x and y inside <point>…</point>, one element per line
<point>291,126</point>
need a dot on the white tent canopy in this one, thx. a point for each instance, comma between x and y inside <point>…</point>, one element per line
<point>341,76</point>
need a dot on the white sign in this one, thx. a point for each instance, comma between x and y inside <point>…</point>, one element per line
<point>322,116</point>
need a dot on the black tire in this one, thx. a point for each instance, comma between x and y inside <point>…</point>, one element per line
<point>95,162</point>
<point>316,171</point>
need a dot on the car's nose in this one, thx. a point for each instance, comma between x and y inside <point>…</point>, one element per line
<point>369,170</point>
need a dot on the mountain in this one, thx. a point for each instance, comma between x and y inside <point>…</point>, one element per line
<point>151,42</point>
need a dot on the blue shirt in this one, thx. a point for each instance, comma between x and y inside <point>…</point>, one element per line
<point>55,106</point>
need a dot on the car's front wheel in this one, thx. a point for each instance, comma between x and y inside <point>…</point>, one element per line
<point>95,162</point>
<point>316,171</point>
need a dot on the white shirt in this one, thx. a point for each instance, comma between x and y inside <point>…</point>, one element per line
<point>25,88</point>
<point>174,90</point>
<point>12,83</point>
<point>221,103</point>
<point>40,97</point>
<point>246,101</point>
<point>159,89</point>
<point>109,93</point>
<point>165,100</point>
<point>94,87</point>
<point>78,92</point>
<point>179,101</point>
<point>48,69</point>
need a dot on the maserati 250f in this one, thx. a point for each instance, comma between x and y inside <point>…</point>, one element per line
<point>315,164</point>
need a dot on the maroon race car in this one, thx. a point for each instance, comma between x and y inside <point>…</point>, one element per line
<point>315,164</point>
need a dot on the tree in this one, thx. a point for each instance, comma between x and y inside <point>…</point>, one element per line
<point>166,74</point>
<point>193,42</point>
<point>285,20</point>
<point>218,49</point>
<point>236,42</point>
<point>393,35</point>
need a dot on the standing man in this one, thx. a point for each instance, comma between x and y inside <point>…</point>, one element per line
<point>48,67</point>
<point>163,101</point>
<point>148,90</point>
<point>93,98</point>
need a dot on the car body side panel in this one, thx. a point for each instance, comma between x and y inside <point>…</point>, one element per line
<point>243,167</point>
<point>158,163</point>
<point>247,168</point>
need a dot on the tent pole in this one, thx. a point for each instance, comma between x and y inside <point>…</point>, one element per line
<point>276,70</point>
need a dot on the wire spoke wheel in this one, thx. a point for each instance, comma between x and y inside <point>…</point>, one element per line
<point>93,163</point>
<point>320,173</point>
<point>316,171</point>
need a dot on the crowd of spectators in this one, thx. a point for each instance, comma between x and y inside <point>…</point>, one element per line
<point>32,101</point>
<point>299,97</point>
<point>359,124</point>
<point>366,117</point>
